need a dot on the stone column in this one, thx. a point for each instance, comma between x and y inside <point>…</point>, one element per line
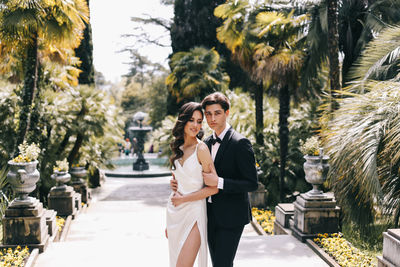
<point>315,214</point>
<point>391,249</point>
<point>26,226</point>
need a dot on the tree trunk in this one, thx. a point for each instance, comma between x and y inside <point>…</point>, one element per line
<point>284,112</point>
<point>28,91</point>
<point>75,150</point>
<point>35,130</point>
<point>259,113</point>
<point>47,151</point>
<point>64,142</point>
<point>333,51</point>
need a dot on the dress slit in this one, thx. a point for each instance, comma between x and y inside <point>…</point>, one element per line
<point>201,259</point>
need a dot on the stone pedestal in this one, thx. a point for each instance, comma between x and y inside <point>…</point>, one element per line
<point>257,198</point>
<point>26,226</point>
<point>51,221</point>
<point>283,214</point>
<point>61,199</point>
<point>81,187</point>
<point>313,215</point>
<point>391,249</point>
<point>78,202</point>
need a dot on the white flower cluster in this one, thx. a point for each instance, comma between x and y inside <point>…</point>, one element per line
<point>61,165</point>
<point>27,153</point>
<point>311,146</point>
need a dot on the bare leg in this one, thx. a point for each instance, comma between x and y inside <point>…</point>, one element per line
<point>190,248</point>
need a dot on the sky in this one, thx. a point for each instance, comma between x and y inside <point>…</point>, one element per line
<point>110,20</point>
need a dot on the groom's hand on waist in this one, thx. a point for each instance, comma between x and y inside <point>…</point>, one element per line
<point>173,183</point>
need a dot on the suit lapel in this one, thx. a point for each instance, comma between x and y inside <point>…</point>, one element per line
<point>223,146</point>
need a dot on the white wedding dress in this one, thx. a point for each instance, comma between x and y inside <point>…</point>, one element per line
<point>181,219</point>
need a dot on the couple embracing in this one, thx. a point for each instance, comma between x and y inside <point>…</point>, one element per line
<point>209,202</point>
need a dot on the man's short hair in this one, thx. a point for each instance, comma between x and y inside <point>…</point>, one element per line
<point>216,98</point>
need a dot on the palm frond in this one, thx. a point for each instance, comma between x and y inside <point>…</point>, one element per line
<point>362,141</point>
<point>377,59</point>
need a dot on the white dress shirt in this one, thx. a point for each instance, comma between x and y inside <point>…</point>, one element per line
<point>214,150</point>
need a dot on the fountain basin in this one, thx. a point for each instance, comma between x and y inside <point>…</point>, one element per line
<point>123,168</point>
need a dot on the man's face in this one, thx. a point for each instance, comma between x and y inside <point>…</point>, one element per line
<point>216,117</point>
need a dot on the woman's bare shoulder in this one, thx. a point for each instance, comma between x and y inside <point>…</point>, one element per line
<point>203,148</point>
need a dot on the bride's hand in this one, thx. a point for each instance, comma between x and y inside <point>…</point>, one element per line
<point>177,199</point>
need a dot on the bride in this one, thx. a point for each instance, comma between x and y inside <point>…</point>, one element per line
<point>186,209</point>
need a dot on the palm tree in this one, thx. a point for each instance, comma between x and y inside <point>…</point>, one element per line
<point>279,59</point>
<point>234,33</point>
<point>195,74</point>
<point>25,27</point>
<point>363,138</point>
<point>266,45</point>
<point>90,117</point>
<point>333,49</point>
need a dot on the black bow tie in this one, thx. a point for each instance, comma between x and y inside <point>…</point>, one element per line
<point>215,140</point>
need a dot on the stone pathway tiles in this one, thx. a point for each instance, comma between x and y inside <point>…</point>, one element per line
<point>124,226</point>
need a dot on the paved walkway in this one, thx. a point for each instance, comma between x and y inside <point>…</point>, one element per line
<point>124,226</point>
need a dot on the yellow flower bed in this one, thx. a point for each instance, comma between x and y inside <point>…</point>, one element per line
<point>13,258</point>
<point>342,251</point>
<point>60,223</point>
<point>265,218</point>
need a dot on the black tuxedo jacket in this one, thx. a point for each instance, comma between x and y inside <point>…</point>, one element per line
<point>234,163</point>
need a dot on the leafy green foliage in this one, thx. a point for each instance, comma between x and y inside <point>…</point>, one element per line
<point>62,116</point>
<point>30,31</point>
<point>5,191</point>
<point>9,120</point>
<point>359,22</point>
<point>302,124</point>
<point>195,74</point>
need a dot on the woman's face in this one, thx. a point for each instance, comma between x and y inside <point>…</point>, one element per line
<point>193,126</point>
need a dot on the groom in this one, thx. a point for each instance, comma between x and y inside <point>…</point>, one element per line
<point>235,175</point>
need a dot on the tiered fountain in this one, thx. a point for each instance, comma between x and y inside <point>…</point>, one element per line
<point>142,165</point>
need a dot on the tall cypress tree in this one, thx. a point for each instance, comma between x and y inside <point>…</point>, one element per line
<point>85,53</point>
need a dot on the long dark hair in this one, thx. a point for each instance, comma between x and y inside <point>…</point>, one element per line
<point>185,114</point>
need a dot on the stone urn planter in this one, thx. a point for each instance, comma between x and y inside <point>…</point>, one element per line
<point>77,173</point>
<point>61,197</point>
<point>79,184</point>
<point>23,177</point>
<point>316,169</point>
<point>61,177</point>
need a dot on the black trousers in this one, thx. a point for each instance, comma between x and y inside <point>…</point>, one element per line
<point>222,242</point>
